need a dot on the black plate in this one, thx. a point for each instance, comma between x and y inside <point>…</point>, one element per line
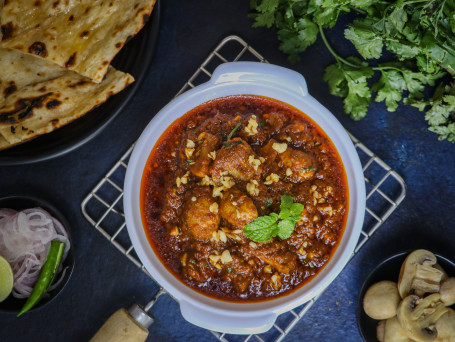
<point>135,59</point>
<point>12,304</point>
<point>389,269</point>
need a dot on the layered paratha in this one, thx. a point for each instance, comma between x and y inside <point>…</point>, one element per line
<point>82,35</point>
<point>18,70</point>
<point>48,100</point>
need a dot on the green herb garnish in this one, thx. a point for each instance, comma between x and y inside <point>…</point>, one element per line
<point>269,201</point>
<point>317,143</point>
<point>312,168</point>
<point>192,262</point>
<point>235,143</point>
<point>419,34</point>
<point>262,123</point>
<point>265,227</point>
<point>189,161</point>
<point>229,269</point>
<point>233,131</point>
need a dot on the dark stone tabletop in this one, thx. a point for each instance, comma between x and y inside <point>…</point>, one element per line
<point>104,280</point>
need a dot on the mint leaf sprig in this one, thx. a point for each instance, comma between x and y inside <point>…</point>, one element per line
<point>265,227</point>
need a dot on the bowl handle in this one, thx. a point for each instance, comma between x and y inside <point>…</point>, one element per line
<point>248,72</point>
<point>233,324</point>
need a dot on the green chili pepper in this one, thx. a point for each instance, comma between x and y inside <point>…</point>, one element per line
<point>47,275</point>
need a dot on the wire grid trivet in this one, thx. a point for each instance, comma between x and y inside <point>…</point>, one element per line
<point>103,207</point>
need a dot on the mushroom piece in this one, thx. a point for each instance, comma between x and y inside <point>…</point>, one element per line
<point>448,291</point>
<point>381,300</point>
<point>446,327</point>
<point>418,316</point>
<point>417,274</point>
<point>391,331</point>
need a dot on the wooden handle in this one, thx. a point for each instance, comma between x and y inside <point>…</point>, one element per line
<point>121,327</point>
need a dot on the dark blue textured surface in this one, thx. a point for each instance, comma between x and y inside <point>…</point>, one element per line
<point>104,280</point>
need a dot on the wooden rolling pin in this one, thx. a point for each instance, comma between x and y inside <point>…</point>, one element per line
<point>125,326</point>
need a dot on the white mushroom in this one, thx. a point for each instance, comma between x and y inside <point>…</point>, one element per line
<point>391,331</point>
<point>448,291</point>
<point>418,316</point>
<point>446,327</point>
<point>381,300</point>
<point>418,276</point>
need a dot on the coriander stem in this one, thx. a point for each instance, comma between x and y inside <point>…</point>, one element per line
<point>337,57</point>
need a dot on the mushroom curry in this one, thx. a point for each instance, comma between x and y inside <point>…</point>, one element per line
<point>244,198</point>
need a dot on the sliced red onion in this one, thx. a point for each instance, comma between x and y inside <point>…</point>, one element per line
<point>25,239</point>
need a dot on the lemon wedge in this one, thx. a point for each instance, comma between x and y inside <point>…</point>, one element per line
<point>6,279</point>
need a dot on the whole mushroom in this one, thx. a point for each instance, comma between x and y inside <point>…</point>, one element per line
<point>448,291</point>
<point>418,276</point>
<point>418,316</point>
<point>381,300</point>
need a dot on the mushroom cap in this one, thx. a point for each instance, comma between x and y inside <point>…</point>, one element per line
<point>381,300</point>
<point>417,274</point>
<point>448,291</point>
<point>393,332</point>
<point>380,331</point>
<point>418,316</point>
<point>446,327</point>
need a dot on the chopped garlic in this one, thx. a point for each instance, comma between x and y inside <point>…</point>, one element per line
<point>217,191</point>
<point>206,181</point>
<point>223,237</point>
<point>272,178</point>
<point>288,172</point>
<point>226,257</point>
<point>253,244</point>
<point>212,155</point>
<point>227,182</point>
<point>252,127</point>
<point>215,237</point>
<point>182,180</point>
<point>288,139</point>
<point>173,154</point>
<point>190,143</point>
<point>254,162</point>
<point>280,148</point>
<point>268,269</point>
<point>215,258</point>
<point>214,208</point>
<point>193,199</point>
<point>253,188</point>
<point>237,231</point>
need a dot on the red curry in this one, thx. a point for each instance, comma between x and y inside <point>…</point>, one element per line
<point>222,165</point>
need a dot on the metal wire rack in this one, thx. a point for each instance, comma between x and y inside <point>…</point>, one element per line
<point>104,210</point>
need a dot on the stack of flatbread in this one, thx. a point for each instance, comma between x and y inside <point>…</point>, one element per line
<point>55,60</point>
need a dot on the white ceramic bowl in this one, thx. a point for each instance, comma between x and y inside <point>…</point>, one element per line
<point>233,79</point>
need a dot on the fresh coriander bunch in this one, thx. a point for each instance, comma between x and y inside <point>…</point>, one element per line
<point>419,33</point>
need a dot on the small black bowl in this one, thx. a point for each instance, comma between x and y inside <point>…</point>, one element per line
<point>388,269</point>
<point>12,304</point>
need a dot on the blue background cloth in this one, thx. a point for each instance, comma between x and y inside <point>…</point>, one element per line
<point>104,280</point>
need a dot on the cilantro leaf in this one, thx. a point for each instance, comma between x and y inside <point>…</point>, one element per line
<point>296,38</point>
<point>354,82</point>
<point>389,88</point>
<point>263,228</point>
<point>266,15</point>
<point>364,39</point>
